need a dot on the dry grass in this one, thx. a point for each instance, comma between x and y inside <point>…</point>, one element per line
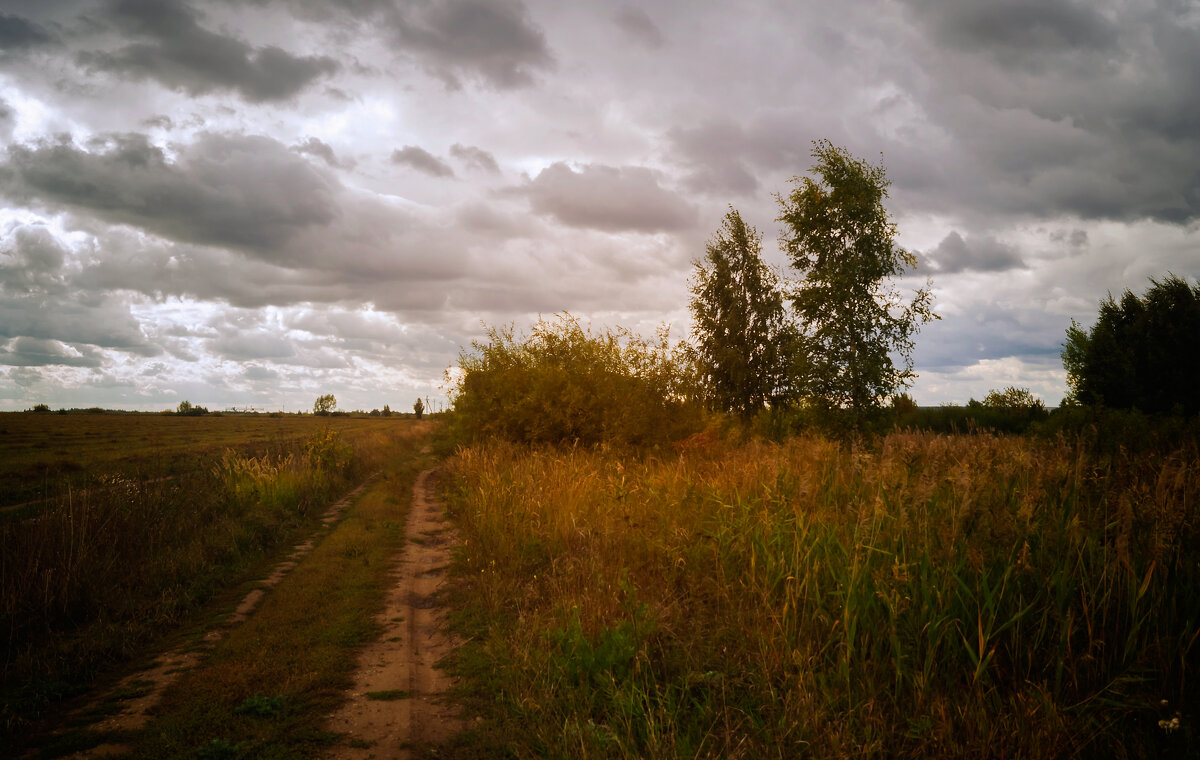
<point>924,596</point>
<point>99,572</point>
<point>42,454</point>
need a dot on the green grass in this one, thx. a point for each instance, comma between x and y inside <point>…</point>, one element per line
<point>299,646</point>
<point>388,695</point>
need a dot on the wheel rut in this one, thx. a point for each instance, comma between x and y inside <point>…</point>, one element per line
<point>397,703</point>
<point>148,686</point>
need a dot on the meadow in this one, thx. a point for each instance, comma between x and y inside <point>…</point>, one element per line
<point>159,516</point>
<point>41,454</point>
<point>907,595</point>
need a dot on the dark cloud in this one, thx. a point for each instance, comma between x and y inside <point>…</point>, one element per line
<point>76,319</point>
<point>726,157</point>
<point>8,120</point>
<point>979,254</point>
<point>31,261</point>
<point>989,331</point>
<point>612,199</point>
<point>18,34</point>
<point>1061,108</point>
<point>257,344</point>
<point>322,150</point>
<point>234,190</point>
<point>421,160</point>
<point>475,158</point>
<point>34,352</point>
<point>1026,34</point>
<point>181,54</point>
<point>638,27</point>
<point>493,41</point>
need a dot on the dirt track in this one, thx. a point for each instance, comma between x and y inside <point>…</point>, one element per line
<point>396,703</point>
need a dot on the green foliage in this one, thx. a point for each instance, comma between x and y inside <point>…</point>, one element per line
<point>563,384</point>
<point>325,404</point>
<point>744,339</point>
<point>419,407</point>
<point>1142,353</point>
<point>261,706</point>
<point>1012,397</point>
<point>41,408</point>
<point>840,238</point>
<point>188,409</point>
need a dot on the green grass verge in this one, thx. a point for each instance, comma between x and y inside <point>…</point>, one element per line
<point>300,646</point>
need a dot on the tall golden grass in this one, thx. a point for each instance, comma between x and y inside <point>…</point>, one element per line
<point>920,596</point>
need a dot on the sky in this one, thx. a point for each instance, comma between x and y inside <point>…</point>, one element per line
<point>250,203</point>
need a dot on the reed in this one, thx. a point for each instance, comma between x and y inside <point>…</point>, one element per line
<point>918,596</point>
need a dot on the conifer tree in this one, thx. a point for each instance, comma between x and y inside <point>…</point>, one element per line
<point>740,327</point>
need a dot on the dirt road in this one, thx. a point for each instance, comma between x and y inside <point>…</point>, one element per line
<point>396,703</point>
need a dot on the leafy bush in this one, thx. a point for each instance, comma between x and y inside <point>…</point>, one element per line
<point>562,384</point>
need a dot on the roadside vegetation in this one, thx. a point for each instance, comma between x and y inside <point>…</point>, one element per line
<point>920,595</point>
<point>778,554</point>
<point>266,690</point>
<point>97,573</point>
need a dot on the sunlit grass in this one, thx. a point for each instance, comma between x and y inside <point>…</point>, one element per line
<point>924,596</point>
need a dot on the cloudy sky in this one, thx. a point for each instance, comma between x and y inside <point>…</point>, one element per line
<point>253,202</point>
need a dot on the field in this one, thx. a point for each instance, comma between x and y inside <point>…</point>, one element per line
<point>40,454</point>
<point>918,595</point>
<point>143,520</point>
<point>908,594</point>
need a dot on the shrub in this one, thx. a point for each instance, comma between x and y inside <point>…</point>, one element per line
<point>563,384</point>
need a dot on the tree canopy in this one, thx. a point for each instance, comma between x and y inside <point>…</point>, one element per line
<point>325,404</point>
<point>742,334</point>
<point>839,236</point>
<point>1143,352</point>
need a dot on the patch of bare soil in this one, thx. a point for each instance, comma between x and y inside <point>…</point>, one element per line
<point>397,703</point>
<point>132,700</point>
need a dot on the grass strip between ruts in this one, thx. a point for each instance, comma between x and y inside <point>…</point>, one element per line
<point>265,690</point>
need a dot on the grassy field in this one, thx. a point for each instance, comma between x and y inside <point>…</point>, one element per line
<point>919,596</point>
<point>41,454</point>
<point>98,573</point>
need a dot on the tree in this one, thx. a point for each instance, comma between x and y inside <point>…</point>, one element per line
<point>325,404</point>
<point>419,407</point>
<point>185,407</point>
<point>840,238</point>
<point>1013,398</point>
<point>740,327</point>
<point>1142,353</point>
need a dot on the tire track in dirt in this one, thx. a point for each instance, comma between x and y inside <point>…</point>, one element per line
<point>150,684</point>
<point>397,703</point>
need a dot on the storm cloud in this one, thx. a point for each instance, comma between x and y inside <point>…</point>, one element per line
<point>492,41</point>
<point>179,53</point>
<point>243,191</point>
<point>614,199</point>
<point>422,160</point>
